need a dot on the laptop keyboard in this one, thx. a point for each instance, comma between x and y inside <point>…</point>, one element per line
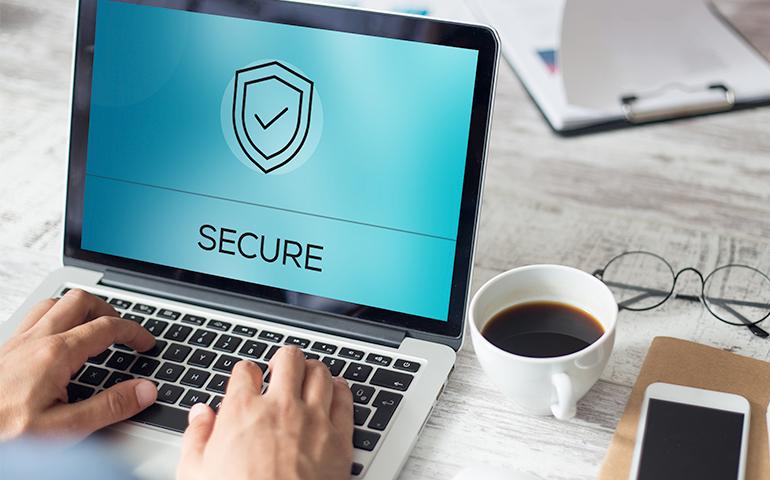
<point>194,356</point>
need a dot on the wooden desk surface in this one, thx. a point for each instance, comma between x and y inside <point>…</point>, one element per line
<point>695,191</point>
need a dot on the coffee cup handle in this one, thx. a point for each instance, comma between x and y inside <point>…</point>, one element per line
<point>565,406</point>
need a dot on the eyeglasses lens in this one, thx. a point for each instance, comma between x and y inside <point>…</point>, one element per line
<point>738,294</point>
<point>639,280</point>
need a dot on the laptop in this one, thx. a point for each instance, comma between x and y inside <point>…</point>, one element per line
<point>245,175</point>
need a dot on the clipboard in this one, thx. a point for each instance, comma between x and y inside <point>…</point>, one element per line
<point>593,65</point>
<point>686,363</point>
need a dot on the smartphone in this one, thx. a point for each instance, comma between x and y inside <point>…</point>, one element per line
<point>687,432</point>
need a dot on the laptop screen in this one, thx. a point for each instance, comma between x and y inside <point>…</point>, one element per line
<point>311,160</point>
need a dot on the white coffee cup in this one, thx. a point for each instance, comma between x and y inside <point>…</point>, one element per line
<point>553,385</point>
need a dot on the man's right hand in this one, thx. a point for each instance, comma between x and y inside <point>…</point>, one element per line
<point>301,428</point>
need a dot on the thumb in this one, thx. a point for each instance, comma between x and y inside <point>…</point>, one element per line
<point>117,403</point>
<point>201,423</point>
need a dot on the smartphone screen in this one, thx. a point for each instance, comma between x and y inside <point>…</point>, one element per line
<point>690,441</point>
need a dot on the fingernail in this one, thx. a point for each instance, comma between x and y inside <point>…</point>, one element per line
<point>196,410</point>
<point>146,393</point>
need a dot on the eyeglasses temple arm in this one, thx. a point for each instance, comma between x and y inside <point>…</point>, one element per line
<point>626,303</point>
<point>756,330</point>
<point>681,296</point>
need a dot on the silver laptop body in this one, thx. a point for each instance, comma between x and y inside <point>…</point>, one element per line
<point>397,369</point>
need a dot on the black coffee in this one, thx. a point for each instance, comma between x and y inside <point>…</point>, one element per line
<point>542,329</point>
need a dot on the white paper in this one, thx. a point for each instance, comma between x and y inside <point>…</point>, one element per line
<point>641,48</point>
<point>529,29</point>
<point>612,48</point>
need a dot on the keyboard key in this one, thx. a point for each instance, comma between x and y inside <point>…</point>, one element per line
<point>178,333</point>
<point>177,352</point>
<point>273,337</point>
<point>357,372</point>
<point>335,365</point>
<point>145,309</point>
<point>169,372</point>
<point>245,331</point>
<point>365,440</point>
<point>121,304</point>
<point>299,342</point>
<point>253,349</point>
<point>163,416</point>
<point>406,365</point>
<point>78,393</point>
<point>203,338</point>
<point>195,378</point>
<point>157,349</point>
<point>94,376</point>
<point>311,356</point>
<point>381,418</point>
<point>386,404</point>
<point>155,327</point>
<point>168,314</point>
<point>144,367</point>
<point>226,363</point>
<point>360,414</point>
<point>227,343</point>
<point>350,353</point>
<point>356,469</point>
<point>202,358</point>
<point>218,383</point>
<point>378,359</point>
<point>271,352</point>
<point>168,393</point>
<point>126,348</point>
<point>219,325</point>
<point>99,359</point>
<point>216,402</point>
<point>192,397</point>
<point>117,377</point>
<point>386,399</point>
<point>120,360</point>
<point>134,318</point>
<point>391,379</point>
<point>361,393</point>
<point>194,319</point>
<point>78,372</point>
<point>64,291</point>
<point>324,348</point>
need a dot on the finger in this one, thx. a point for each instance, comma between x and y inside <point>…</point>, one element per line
<point>287,373</point>
<point>201,423</point>
<point>246,379</point>
<point>94,337</point>
<point>342,409</point>
<point>117,403</point>
<point>317,388</point>
<point>74,308</point>
<point>35,315</point>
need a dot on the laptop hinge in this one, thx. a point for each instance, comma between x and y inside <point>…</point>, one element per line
<point>353,328</point>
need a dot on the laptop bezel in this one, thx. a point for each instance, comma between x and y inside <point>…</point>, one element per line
<point>424,30</point>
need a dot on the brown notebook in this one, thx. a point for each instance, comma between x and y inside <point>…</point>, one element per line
<point>681,362</point>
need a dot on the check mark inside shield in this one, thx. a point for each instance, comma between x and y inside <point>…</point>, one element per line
<point>264,125</point>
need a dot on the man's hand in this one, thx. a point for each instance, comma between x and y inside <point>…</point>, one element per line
<point>301,428</point>
<point>50,345</point>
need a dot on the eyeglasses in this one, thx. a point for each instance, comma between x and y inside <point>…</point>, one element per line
<point>735,294</point>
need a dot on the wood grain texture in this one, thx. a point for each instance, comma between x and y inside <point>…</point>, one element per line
<point>695,191</point>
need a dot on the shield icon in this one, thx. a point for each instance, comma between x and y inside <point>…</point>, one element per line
<point>272,108</point>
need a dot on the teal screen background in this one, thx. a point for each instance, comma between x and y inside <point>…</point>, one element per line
<point>381,191</point>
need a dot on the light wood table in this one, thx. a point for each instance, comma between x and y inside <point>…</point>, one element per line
<point>695,191</point>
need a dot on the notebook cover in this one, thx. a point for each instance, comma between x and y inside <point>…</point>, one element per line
<point>681,362</point>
